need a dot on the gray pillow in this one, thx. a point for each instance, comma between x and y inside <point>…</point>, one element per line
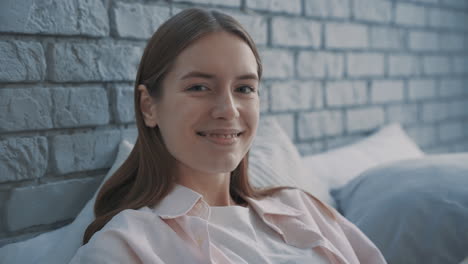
<point>415,211</point>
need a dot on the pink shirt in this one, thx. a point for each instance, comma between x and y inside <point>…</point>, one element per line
<point>176,231</point>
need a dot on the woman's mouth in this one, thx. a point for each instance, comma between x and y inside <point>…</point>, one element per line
<point>221,137</point>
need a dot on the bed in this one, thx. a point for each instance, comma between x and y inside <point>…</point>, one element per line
<point>413,206</point>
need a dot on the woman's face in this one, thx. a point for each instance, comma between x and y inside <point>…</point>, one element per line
<point>209,109</point>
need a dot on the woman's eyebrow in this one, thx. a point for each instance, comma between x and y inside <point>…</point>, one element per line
<point>194,74</point>
<point>198,74</point>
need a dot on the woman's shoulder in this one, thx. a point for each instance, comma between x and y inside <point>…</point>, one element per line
<point>130,218</point>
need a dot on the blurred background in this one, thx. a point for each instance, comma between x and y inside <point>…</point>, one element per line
<point>335,70</point>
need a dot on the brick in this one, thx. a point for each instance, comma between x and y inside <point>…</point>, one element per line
<point>44,108</point>
<point>310,148</point>
<point>410,15</point>
<point>66,198</point>
<point>435,111</point>
<point>277,63</point>
<point>423,41</point>
<point>452,42</point>
<point>80,107</point>
<point>296,95</point>
<point>372,10</point>
<point>295,32</point>
<point>443,18</point>
<point>345,93</point>
<point>293,6</point>
<point>453,87</point>
<point>386,38</point>
<point>73,62</point>
<point>422,89</point>
<point>365,64</point>
<point>320,124</point>
<point>404,114</point>
<point>264,99</point>
<point>130,134</point>
<point>84,151</point>
<point>320,64</point>
<point>436,65</point>
<point>257,26</point>
<point>23,158</point>
<point>67,17</point>
<point>231,3</point>
<point>327,8</point>
<point>449,131</point>
<point>124,109</point>
<point>21,61</point>
<point>346,36</point>
<point>457,108</point>
<point>387,91</point>
<point>455,3</point>
<point>460,64</point>
<point>403,65</point>
<point>132,20</point>
<point>25,109</point>
<point>364,119</point>
<point>426,1</point>
<point>424,135</point>
<point>287,123</point>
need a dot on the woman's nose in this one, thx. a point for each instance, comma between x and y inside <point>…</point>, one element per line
<point>225,107</point>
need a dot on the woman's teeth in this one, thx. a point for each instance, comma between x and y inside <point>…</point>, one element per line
<point>219,135</point>
<point>222,135</point>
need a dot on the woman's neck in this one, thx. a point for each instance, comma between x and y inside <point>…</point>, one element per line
<point>213,187</point>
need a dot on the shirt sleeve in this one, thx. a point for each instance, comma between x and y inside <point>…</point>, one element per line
<point>364,248</point>
<point>108,247</point>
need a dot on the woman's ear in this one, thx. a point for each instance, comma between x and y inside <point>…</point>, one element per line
<point>147,107</point>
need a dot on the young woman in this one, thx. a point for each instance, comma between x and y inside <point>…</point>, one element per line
<point>183,195</point>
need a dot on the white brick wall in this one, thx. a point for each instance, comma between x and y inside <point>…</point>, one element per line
<point>423,41</point>
<point>373,10</point>
<point>387,91</point>
<point>291,6</point>
<point>320,124</point>
<point>320,64</point>
<point>404,65</point>
<point>334,71</point>
<point>365,64</point>
<point>344,36</point>
<point>403,114</point>
<point>136,20</point>
<point>363,119</point>
<point>277,63</point>
<point>346,93</point>
<point>295,95</point>
<point>306,33</point>
<point>327,8</point>
<point>386,38</point>
<point>21,61</point>
<point>422,89</point>
<point>436,65</point>
<point>410,14</point>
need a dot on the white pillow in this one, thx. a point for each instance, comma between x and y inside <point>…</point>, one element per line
<point>337,167</point>
<point>275,161</point>
<point>60,245</point>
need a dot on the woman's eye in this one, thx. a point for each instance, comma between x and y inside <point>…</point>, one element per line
<point>246,89</point>
<point>197,88</point>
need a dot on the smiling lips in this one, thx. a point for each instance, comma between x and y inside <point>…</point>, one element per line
<point>221,136</point>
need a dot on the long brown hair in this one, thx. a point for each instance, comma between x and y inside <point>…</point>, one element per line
<point>145,178</point>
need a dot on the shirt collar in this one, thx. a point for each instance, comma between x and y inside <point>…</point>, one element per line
<point>181,200</point>
<point>177,203</point>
